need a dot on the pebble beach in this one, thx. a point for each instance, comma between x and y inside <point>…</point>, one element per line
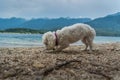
<point>35,63</point>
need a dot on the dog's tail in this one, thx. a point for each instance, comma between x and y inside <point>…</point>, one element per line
<point>93,33</point>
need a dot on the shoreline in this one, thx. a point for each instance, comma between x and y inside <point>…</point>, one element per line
<point>41,45</point>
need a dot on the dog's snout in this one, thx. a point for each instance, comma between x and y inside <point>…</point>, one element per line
<point>47,49</point>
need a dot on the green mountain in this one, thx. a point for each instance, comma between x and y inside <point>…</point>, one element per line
<point>52,24</point>
<point>6,23</point>
<point>108,25</point>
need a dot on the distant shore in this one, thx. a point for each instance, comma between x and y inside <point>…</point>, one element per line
<point>28,63</point>
<point>17,33</point>
<point>22,30</point>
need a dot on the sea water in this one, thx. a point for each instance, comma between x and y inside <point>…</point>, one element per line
<point>20,40</point>
<point>35,40</point>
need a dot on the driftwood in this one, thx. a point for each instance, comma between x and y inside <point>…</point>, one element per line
<point>46,71</point>
<point>99,73</point>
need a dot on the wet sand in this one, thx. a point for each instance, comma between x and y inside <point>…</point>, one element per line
<point>28,63</point>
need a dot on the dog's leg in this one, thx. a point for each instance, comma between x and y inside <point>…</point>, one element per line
<point>58,48</point>
<point>90,43</point>
<point>85,42</point>
<point>91,47</point>
<point>61,47</point>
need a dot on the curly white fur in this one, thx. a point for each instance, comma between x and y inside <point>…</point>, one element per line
<point>68,35</point>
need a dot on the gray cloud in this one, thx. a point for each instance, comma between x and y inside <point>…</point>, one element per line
<point>58,8</point>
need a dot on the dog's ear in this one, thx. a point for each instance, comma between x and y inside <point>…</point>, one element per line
<point>52,39</point>
<point>44,39</point>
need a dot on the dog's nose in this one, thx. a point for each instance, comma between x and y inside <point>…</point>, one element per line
<point>53,48</point>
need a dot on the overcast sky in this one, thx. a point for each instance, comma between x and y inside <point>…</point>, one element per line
<point>58,8</point>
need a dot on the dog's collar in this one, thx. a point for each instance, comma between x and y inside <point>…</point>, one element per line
<point>56,39</point>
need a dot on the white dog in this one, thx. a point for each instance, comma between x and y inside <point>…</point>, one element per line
<point>61,39</point>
